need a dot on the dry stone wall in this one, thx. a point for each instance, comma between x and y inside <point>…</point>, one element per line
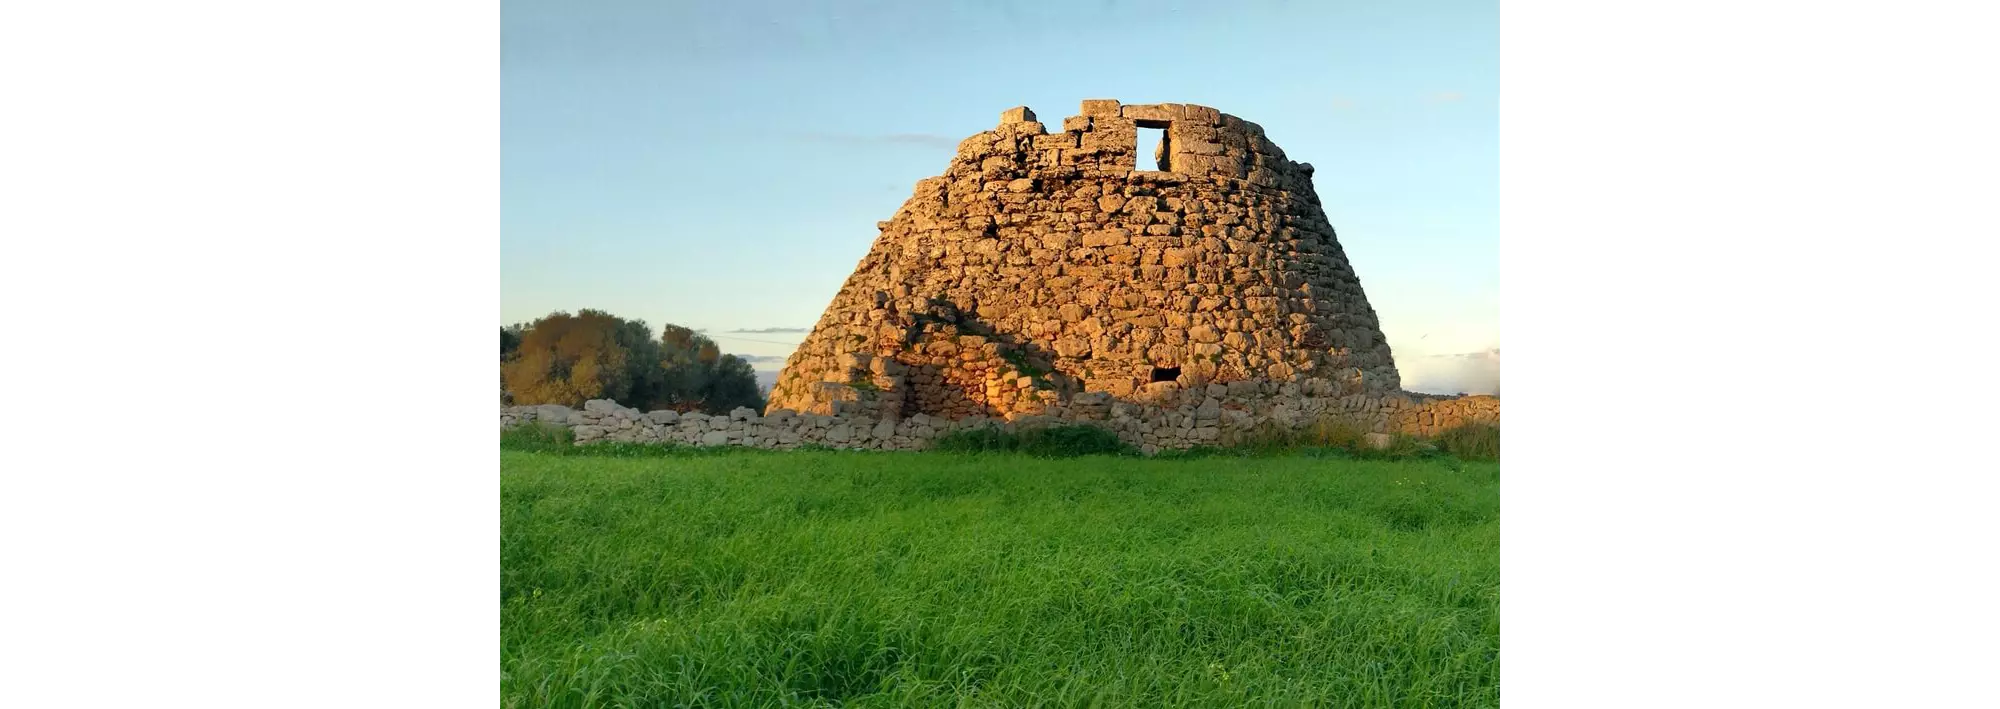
<point>1213,416</point>
<point>1042,268</point>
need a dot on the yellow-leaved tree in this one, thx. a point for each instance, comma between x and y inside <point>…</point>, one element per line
<point>568,359</point>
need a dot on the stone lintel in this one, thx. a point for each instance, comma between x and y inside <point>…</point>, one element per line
<point>1146,114</point>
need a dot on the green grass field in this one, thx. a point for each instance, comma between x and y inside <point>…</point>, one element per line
<point>760,578</point>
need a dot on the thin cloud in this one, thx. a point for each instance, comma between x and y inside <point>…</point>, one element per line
<point>759,360</point>
<point>925,140</point>
<point>1463,372</point>
<point>1446,97</point>
<point>769,330</point>
<point>1492,354</point>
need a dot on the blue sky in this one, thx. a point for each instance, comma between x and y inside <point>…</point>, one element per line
<point>721,165</point>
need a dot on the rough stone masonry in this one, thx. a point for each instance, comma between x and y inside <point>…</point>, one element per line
<point>1045,278</point>
<point>1043,265</point>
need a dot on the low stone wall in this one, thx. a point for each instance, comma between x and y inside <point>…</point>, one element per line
<point>1178,420</point>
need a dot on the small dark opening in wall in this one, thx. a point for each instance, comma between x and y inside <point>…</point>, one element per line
<point>1166,374</point>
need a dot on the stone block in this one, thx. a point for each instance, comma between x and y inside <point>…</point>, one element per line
<point>1099,107</point>
<point>555,414</point>
<point>1199,148</point>
<point>1055,141</point>
<point>1199,115</point>
<point>663,417</point>
<point>1157,112</point>
<point>1017,114</point>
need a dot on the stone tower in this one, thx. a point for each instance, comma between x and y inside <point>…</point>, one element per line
<point>1045,267</point>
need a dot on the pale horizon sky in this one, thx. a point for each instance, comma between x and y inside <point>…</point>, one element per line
<point>721,165</point>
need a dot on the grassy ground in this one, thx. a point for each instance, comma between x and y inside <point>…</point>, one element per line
<point>761,578</point>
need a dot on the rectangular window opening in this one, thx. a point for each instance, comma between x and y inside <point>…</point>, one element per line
<point>1152,141</point>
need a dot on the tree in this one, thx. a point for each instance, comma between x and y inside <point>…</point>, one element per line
<point>700,377</point>
<point>733,384</point>
<point>510,340</point>
<point>568,359</point>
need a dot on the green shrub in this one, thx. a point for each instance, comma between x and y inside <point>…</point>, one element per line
<point>1050,442</point>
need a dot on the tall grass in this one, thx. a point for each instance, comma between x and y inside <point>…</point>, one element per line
<point>537,437</point>
<point>924,579</point>
<point>1044,442</point>
<point>1327,436</point>
<point>1472,442</point>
